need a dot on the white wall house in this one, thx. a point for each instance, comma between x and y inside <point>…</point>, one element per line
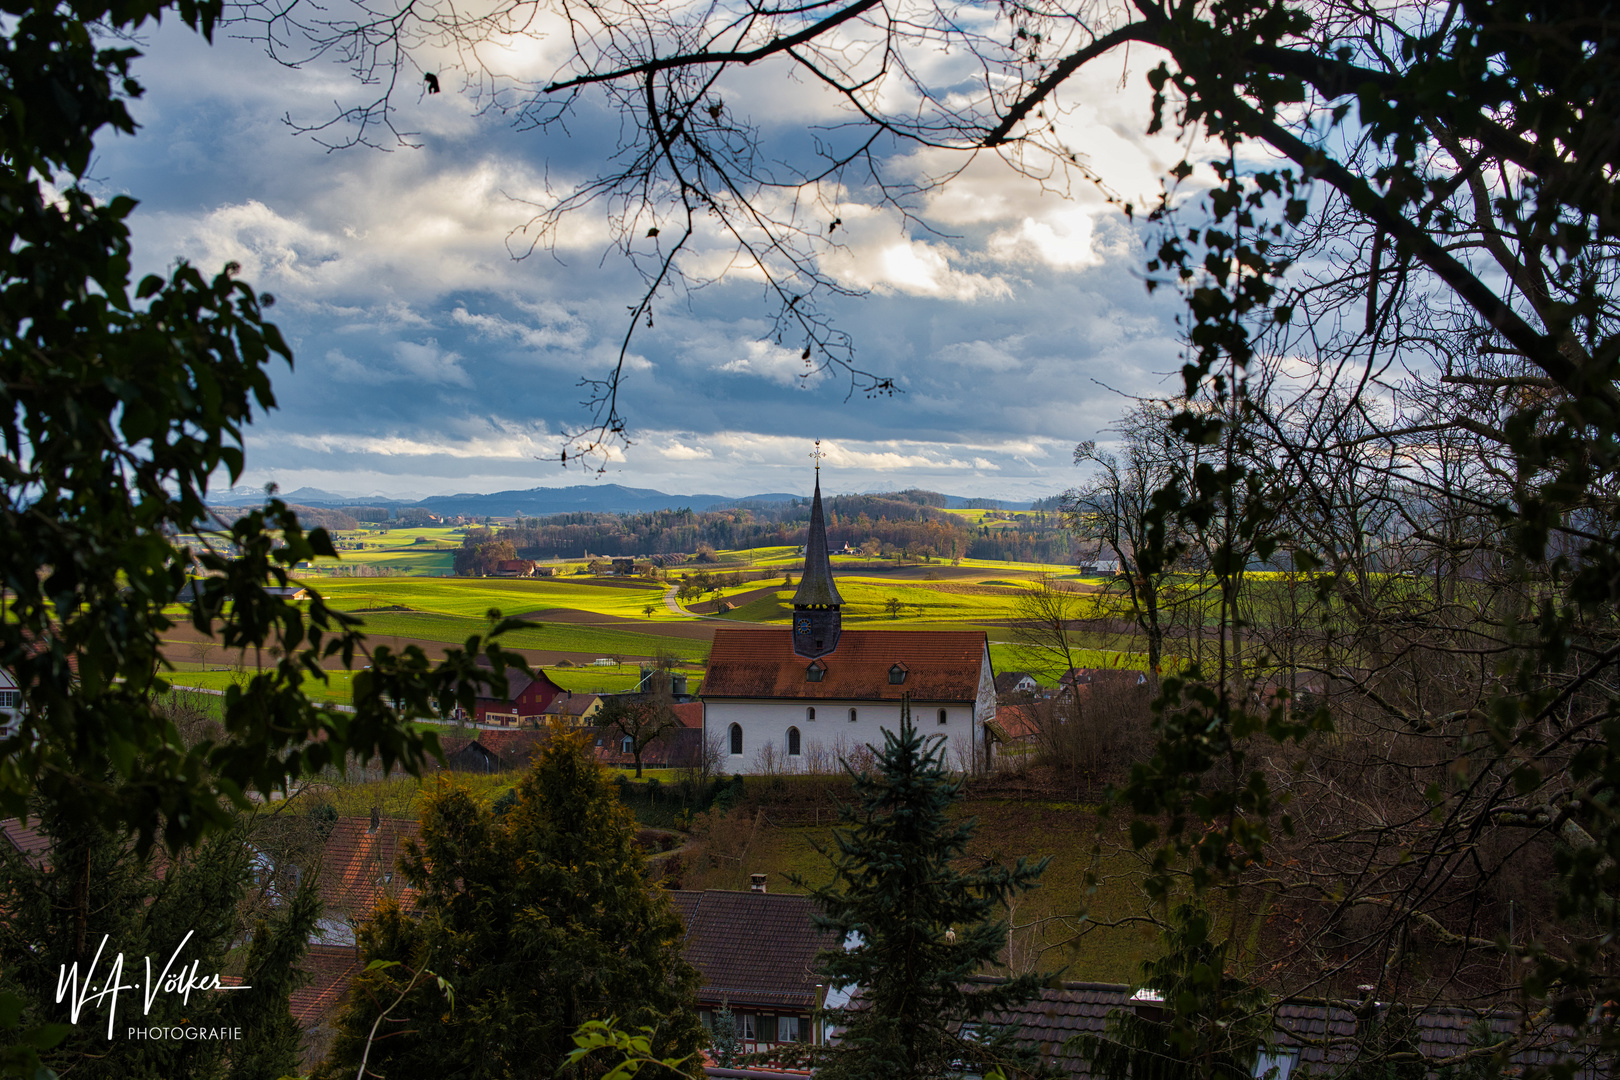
<point>773,710</point>
<point>10,704</point>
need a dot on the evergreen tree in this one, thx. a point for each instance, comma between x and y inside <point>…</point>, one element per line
<point>89,883</point>
<point>916,928</point>
<point>540,919</point>
<point>723,1042</point>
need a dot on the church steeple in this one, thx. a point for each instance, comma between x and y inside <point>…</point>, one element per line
<point>816,620</point>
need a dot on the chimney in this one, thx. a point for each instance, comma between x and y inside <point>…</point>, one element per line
<point>756,883</point>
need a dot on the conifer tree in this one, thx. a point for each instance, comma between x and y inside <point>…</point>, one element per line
<point>915,928</point>
<point>723,1042</point>
<point>146,906</point>
<point>540,919</point>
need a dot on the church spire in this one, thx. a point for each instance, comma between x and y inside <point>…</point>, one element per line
<point>816,620</point>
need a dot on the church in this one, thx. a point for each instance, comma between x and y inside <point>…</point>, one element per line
<point>785,700</point>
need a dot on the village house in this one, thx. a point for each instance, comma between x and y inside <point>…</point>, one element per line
<point>11,703</point>
<point>770,696</point>
<point>1016,683</point>
<point>526,700</point>
<point>1077,682</point>
<point>756,952</point>
<point>571,709</point>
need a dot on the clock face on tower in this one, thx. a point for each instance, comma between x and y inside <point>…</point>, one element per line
<point>801,625</point>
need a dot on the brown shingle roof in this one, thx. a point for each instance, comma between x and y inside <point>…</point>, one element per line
<point>27,839</point>
<point>751,948</point>
<point>514,748</point>
<point>1321,1035</point>
<point>941,665</point>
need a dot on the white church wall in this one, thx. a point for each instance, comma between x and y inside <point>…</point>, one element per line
<point>830,734</point>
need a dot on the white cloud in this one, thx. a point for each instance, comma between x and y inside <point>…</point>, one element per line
<point>429,363</point>
<point>1063,241</point>
<point>558,328</point>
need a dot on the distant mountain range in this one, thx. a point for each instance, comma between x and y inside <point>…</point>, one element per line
<point>543,501</point>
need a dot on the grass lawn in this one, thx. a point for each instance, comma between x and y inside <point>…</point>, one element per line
<point>336,690</point>
<point>1006,830</point>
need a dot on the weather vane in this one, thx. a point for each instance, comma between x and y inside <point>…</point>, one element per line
<point>818,454</point>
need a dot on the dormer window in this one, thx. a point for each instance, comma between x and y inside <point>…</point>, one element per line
<point>897,675</point>
<point>815,672</point>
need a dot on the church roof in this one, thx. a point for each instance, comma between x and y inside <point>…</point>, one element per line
<point>940,665</point>
<point>816,587</point>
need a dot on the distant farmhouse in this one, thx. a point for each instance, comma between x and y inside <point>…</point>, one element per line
<point>773,697</point>
<point>527,698</point>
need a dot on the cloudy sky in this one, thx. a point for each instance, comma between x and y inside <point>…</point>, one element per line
<point>430,360</point>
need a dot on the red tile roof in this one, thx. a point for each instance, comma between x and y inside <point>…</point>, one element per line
<point>330,968</point>
<point>941,665</point>
<point>680,748</point>
<point>1015,722</point>
<point>359,864</point>
<point>689,713</point>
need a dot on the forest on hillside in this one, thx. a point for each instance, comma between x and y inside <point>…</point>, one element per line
<point>913,522</point>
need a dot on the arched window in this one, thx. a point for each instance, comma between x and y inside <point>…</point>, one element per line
<point>736,738</point>
<point>942,716</point>
<point>810,713</point>
<point>852,716</point>
<point>793,742</point>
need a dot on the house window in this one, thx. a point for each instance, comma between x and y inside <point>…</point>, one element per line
<point>788,1029</point>
<point>765,1028</point>
<point>897,675</point>
<point>814,672</point>
<point>627,745</point>
<point>810,713</point>
<point>942,716</point>
<point>736,738</point>
<point>747,1023</point>
<point>10,699</point>
<point>793,742</point>
<point>852,716</point>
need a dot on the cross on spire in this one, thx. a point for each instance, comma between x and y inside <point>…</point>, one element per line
<point>818,453</point>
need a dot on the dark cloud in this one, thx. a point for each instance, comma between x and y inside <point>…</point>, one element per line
<point>431,360</point>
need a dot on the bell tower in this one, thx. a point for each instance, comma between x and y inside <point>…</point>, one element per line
<point>816,620</point>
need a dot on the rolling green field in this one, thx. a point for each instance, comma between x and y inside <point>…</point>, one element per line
<point>584,617</point>
<point>473,597</point>
<point>428,552</point>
